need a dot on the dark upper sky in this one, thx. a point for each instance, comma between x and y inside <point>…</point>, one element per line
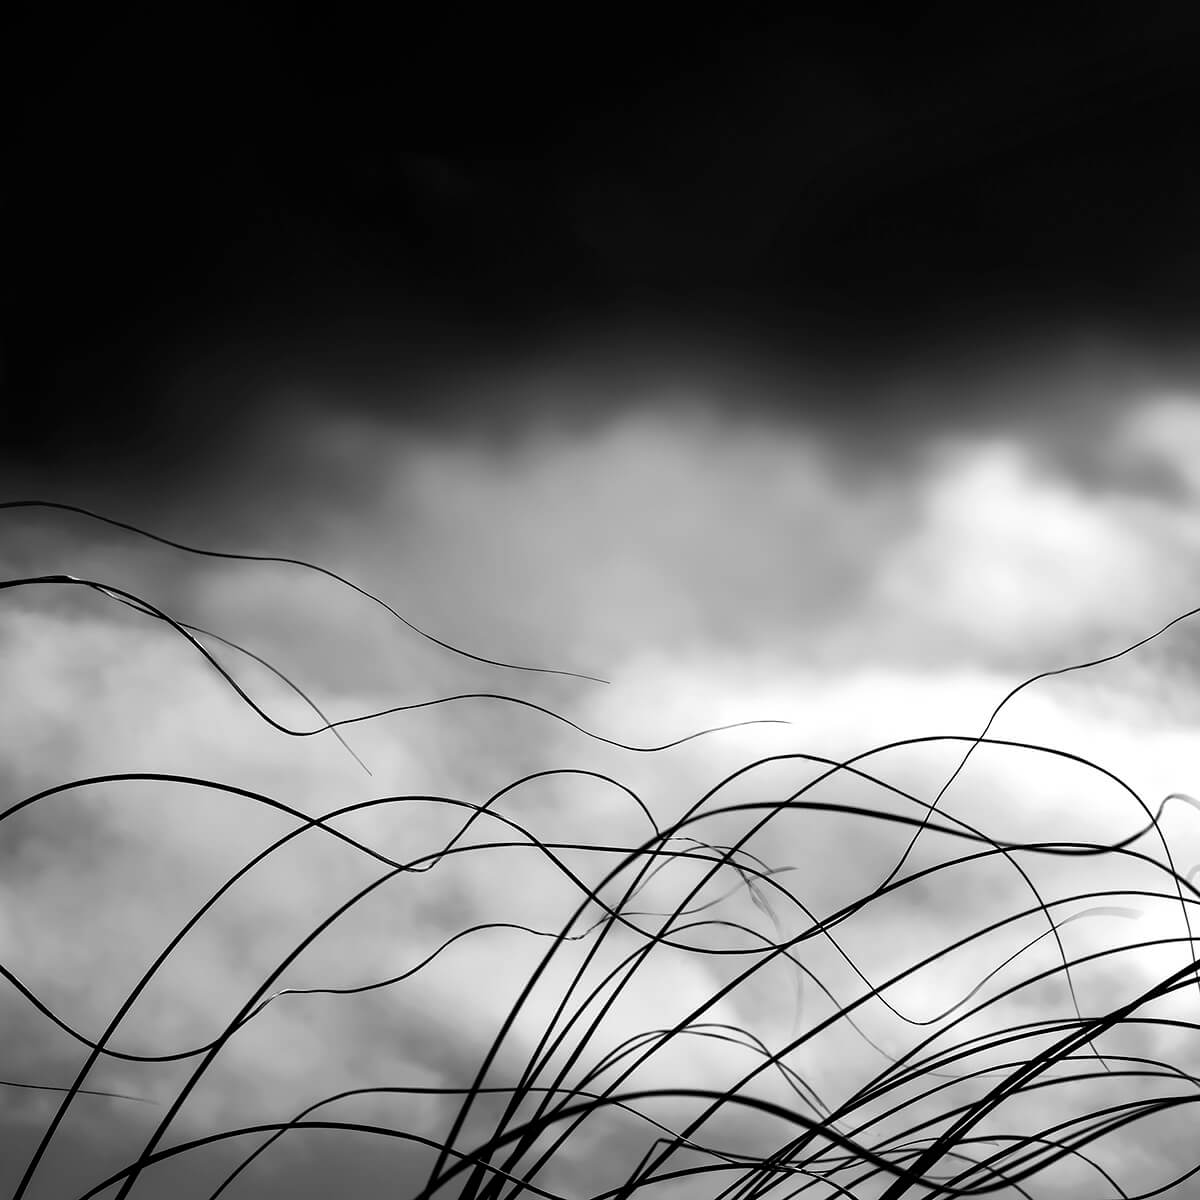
<point>236,185</point>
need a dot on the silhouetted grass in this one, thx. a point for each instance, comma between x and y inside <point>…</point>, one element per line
<point>961,1110</point>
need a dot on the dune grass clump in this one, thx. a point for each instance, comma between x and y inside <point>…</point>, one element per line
<point>989,1051</point>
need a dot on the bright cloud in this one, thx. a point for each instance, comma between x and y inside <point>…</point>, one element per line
<point>718,572</point>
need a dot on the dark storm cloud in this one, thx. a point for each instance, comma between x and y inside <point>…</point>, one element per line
<point>201,203</point>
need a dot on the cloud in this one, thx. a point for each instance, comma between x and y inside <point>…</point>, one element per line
<point>718,571</point>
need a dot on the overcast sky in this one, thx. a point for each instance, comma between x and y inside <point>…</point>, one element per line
<point>835,374</point>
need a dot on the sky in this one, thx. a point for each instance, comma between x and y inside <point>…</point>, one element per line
<point>833,372</point>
